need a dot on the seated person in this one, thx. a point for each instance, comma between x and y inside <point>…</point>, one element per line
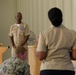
<point>16,65</point>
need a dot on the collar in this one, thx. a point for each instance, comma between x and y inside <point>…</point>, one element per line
<point>18,24</point>
<point>61,26</point>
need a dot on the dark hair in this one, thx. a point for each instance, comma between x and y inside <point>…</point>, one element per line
<point>55,16</point>
<point>19,13</point>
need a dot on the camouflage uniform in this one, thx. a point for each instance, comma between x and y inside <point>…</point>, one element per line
<point>15,66</point>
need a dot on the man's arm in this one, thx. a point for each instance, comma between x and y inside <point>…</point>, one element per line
<point>73,54</point>
<point>24,40</point>
<point>41,55</point>
<point>11,36</point>
<point>41,51</point>
<point>12,41</point>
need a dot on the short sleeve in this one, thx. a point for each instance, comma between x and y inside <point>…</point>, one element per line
<point>74,44</point>
<point>41,44</point>
<point>10,32</point>
<point>27,31</point>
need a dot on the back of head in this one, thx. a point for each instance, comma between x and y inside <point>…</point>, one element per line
<point>20,49</point>
<point>55,16</point>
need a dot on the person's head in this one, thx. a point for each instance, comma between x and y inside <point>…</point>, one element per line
<point>21,52</point>
<point>55,16</point>
<point>18,16</point>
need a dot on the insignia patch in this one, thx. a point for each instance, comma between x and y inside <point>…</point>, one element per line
<point>22,28</point>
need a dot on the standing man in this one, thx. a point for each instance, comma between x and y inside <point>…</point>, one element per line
<point>19,33</point>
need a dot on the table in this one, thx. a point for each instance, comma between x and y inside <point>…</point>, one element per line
<point>2,50</point>
<point>33,61</point>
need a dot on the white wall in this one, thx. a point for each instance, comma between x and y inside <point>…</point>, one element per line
<point>74,15</point>
<point>7,15</point>
<point>35,12</point>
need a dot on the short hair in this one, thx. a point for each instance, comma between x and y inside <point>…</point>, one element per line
<point>19,13</point>
<point>20,49</point>
<point>55,16</point>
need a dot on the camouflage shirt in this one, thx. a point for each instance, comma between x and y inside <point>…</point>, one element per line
<point>15,66</point>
